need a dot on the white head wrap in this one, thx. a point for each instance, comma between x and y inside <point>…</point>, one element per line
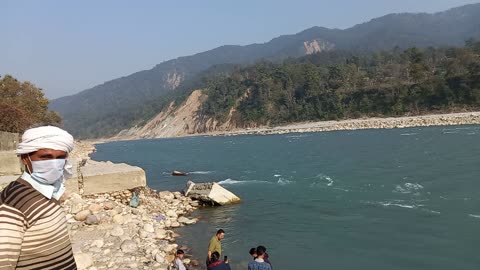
<point>46,137</point>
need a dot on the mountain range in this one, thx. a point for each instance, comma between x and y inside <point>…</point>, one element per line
<point>87,113</point>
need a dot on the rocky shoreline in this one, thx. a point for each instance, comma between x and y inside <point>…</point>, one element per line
<point>452,119</point>
<point>107,233</point>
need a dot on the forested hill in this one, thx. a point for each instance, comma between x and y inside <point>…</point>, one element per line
<point>105,109</point>
<point>326,86</point>
<point>343,85</point>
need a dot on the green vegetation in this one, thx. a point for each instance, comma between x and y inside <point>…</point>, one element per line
<point>22,105</point>
<point>339,85</point>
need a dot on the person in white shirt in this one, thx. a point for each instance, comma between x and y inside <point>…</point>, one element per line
<point>179,260</point>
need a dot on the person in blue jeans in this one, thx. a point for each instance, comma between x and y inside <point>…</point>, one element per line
<point>259,262</point>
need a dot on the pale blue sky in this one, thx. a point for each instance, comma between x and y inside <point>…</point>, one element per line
<point>68,46</point>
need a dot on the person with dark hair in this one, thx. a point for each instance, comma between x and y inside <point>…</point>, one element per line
<point>253,253</point>
<point>259,263</point>
<point>178,263</point>
<point>215,244</point>
<point>216,263</point>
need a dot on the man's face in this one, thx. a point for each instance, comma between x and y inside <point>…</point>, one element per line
<point>221,236</point>
<point>42,154</point>
<point>180,256</point>
<point>254,255</point>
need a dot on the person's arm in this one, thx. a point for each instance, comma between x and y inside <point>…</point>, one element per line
<point>12,229</point>
<point>209,254</point>
<point>211,248</point>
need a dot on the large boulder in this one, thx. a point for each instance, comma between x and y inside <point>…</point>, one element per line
<point>210,192</point>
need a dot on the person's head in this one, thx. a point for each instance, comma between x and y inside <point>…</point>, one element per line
<point>220,234</point>
<point>43,151</point>
<point>253,252</point>
<point>215,257</point>
<point>261,250</point>
<point>180,254</point>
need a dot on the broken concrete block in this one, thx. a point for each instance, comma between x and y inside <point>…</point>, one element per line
<point>103,177</point>
<point>210,192</point>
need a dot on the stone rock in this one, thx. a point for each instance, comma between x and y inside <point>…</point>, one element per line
<point>117,230</point>
<point>186,261</point>
<point>82,215</point>
<point>83,260</point>
<point>76,207</point>
<point>128,246</point>
<point>143,234</point>
<point>148,228</point>
<point>187,221</point>
<point>95,208</point>
<point>92,220</point>
<point>75,197</point>
<point>166,195</point>
<point>170,258</point>
<point>177,195</point>
<point>160,258</point>
<point>98,243</point>
<point>118,219</point>
<point>194,262</point>
<point>175,224</point>
<point>160,233</point>
<point>170,248</point>
<point>108,205</point>
<point>171,213</point>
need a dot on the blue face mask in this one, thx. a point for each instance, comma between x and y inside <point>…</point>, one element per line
<point>48,171</point>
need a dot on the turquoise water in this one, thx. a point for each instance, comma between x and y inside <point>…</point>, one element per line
<point>369,199</point>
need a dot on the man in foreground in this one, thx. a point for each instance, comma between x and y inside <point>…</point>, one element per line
<point>259,263</point>
<point>33,231</point>
<point>215,245</point>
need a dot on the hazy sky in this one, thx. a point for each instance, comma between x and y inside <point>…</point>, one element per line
<point>68,46</point>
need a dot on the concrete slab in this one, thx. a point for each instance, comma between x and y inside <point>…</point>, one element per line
<point>102,177</point>
<point>210,192</point>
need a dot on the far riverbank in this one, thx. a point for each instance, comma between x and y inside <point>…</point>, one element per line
<point>449,119</point>
<point>452,119</point>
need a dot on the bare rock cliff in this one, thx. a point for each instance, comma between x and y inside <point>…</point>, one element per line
<point>317,46</point>
<point>175,121</point>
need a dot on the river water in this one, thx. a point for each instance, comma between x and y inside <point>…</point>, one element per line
<point>367,199</point>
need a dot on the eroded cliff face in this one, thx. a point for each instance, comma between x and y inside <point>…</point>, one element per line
<point>182,120</point>
<point>172,80</point>
<point>317,46</point>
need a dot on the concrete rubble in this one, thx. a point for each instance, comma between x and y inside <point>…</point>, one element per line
<point>210,193</point>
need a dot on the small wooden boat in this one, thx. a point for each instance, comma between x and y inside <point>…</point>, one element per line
<point>179,173</point>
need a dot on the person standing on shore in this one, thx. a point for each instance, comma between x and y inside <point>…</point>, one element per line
<point>253,253</point>
<point>33,227</point>
<point>215,244</point>
<point>259,263</point>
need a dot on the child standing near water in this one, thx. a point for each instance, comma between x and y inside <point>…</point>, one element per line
<point>179,260</point>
